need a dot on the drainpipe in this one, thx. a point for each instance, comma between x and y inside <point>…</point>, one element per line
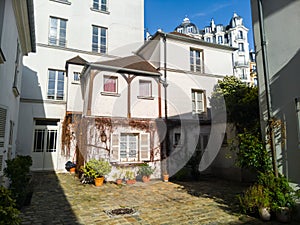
<point>165,84</point>
<point>267,85</point>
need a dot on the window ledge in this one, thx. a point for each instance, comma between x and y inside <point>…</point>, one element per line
<point>127,164</point>
<point>110,94</point>
<point>62,1</point>
<point>146,97</point>
<point>100,11</point>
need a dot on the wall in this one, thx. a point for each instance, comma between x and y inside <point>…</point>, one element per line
<point>283,66</point>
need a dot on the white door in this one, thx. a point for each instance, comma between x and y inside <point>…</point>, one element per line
<point>44,155</point>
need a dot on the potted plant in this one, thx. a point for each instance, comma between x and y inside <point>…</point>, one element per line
<point>165,177</point>
<point>97,169</point>
<point>118,176</point>
<point>145,171</point>
<point>130,177</point>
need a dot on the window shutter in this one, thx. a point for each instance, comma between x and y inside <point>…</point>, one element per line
<point>1,163</point>
<point>145,147</point>
<point>114,151</point>
<point>2,126</point>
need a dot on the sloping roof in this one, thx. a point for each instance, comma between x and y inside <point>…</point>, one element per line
<point>77,60</point>
<point>134,63</point>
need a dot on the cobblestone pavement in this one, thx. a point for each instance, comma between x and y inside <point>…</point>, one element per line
<point>62,199</point>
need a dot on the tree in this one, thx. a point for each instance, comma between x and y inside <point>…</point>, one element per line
<point>242,109</point>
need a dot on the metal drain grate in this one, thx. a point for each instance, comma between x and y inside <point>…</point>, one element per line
<point>122,212</point>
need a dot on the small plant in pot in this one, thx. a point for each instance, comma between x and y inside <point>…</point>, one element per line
<point>145,171</point>
<point>118,176</point>
<point>97,169</point>
<point>130,177</point>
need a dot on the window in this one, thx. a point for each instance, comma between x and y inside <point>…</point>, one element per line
<point>196,60</point>
<point>241,47</point>
<point>198,101</point>
<point>240,35</point>
<point>220,40</point>
<point>243,75</point>
<point>130,147</point>
<point>219,28</point>
<point>11,132</point>
<point>99,42</point>
<point>100,5</point>
<point>145,88</point>
<point>45,136</point>
<point>208,39</point>
<point>179,30</point>
<point>110,84</point>
<point>57,34</point>
<point>55,85</point>
<point>190,29</point>
<point>177,140</point>
<point>207,29</point>
<point>76,77</point>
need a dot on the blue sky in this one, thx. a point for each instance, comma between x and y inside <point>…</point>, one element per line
<point>167,14</point>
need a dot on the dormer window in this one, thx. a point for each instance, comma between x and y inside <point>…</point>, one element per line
<point>207,29</point>
<point>179,30</point>
<point>190,29</point>
<point>219,28</point>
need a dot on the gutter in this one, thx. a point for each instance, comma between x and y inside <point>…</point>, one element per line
<point>30,9</point>
<point>267,85</point>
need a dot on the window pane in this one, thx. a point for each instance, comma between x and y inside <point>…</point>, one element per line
<point>51,141</point>
<point>110,84</point>
<point>39,140</point>
<point>145,88</point>
<point>96,4</point>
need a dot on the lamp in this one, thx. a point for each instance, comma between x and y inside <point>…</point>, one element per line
<point>103,136</point>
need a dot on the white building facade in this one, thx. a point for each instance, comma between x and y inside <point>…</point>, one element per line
<point>68,33</point>
<point>17,39</point>
<point>235,34</point>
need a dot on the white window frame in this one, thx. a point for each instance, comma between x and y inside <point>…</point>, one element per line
<point>56,37</point>
<point>142,148</point>
<point>180,30</point>
<point>196,60</point>
<point>129,157</point>
<point>198,106</point>
<point>77,81</point>
<point>220,39</point>
<point>101,4</point>
<point>149,86</point>
<point>47,129</point>
<point>110,78</point>
<point>241,47</point>
<point>98,43</point>
<point>56,81</point>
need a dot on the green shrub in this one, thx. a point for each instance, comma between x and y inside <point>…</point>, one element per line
<point>17,171</point>
<point>281,193</point>
<point>96,168</point>
<point>145,170</point>
<point>8,212</point>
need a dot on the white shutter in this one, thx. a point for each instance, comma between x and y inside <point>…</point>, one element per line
<point>145,147</point>
<point>114,150</point>
<point>2,126</point>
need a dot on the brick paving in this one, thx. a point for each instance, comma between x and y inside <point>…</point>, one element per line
<point>62,199</point>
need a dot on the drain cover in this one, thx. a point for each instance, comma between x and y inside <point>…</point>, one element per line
<point>121,212</point>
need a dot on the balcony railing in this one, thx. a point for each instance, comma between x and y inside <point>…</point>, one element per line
<point>241,63</point>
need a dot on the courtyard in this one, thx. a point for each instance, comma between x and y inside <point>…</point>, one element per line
<point>62,199</point>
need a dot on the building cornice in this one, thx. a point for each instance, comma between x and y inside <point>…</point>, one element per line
<point>24,15</point>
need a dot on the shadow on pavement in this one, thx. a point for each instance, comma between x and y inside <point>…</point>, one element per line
<point>49,205</point>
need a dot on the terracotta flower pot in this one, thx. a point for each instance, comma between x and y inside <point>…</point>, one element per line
<point>119,181</point>
<point>166,177</point>
<point>99,181</point>
<point>130,181</point>
<point>146,179</point>
<point>72,170</point>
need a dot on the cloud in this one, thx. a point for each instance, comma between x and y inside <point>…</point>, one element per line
<point>214,9</point>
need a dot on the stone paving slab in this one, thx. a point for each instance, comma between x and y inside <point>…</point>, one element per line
<point>62,199</point>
